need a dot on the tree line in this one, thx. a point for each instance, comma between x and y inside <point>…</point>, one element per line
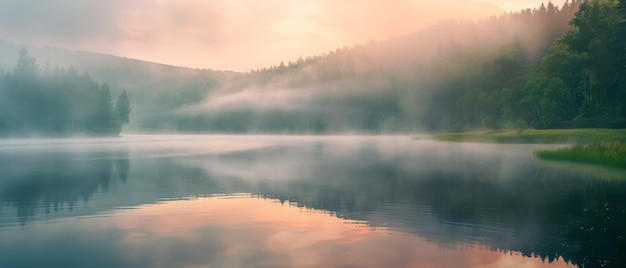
<point>580,82</point>
<point>547,67</point>
<point>57,102</point>
<point>440,78</point>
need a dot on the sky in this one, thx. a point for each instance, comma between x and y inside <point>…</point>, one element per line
<point>237,35</point>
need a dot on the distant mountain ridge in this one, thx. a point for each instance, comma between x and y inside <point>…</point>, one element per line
<point>153,87</point>
<point>402,84</point>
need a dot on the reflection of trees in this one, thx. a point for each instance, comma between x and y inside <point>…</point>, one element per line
<point>46,183</point>
<point>122,165</point>
<point>548,219</point>
<point>534,210</point>
<point>581,219</point>
<point>597,227</point>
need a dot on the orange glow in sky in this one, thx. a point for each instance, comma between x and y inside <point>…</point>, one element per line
<point>228,35</point>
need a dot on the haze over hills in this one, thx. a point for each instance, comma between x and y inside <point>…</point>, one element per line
<point>449,76</point>
<point>154,88</point>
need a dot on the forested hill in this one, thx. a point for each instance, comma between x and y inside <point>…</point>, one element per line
<point>57,102</point>
<point>154,88</point>
<point>534,30</point>
<point>581,82</point>
<point>546,67</point>
<point>404,84</point>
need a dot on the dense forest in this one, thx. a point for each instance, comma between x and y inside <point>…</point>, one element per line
<point>547,67</point>
<point>156,89</point>
<point>57,102</point>
<point>581,82</point>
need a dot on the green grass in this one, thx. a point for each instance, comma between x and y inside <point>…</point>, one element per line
<point>546,136</point>
<point>605,147</point>
<point>606,154</point>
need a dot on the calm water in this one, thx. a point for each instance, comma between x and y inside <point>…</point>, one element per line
<point>260,201</point>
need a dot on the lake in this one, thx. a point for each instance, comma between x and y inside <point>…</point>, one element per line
<point>303,201</point>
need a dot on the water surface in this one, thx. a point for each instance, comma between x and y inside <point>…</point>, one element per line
<point>284,201</point>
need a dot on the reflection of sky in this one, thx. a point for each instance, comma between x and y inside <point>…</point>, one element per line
<point>394,184</point>
<point>140,146</point>
<point>233,231</point>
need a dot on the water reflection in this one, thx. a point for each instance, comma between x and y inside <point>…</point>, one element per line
<point>460,198</point>
<point>44,184</point>
<point>238,231</point>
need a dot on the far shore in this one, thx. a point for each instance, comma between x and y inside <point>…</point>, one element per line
<point>605,147</point>
<point>538,136</point>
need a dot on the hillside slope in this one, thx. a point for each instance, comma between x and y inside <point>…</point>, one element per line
<point>403,84</point>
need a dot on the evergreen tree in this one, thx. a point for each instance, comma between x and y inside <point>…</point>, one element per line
<point>122,109</point>
<point>106,122</point>
<point>56,102</point>
<point>26,65</point>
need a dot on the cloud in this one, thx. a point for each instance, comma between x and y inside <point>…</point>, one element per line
<point>256,99</point>
<point>234,34</point>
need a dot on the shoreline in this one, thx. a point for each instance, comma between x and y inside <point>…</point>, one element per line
<point>601,147</point>
<point>538,136</point>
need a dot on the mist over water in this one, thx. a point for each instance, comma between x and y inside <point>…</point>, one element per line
<point>252,192</point>
<point>310,161</point>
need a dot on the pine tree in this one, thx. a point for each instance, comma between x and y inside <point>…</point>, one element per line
<point>122,109</point>
<point>26,66</point>
<point>106,122</point>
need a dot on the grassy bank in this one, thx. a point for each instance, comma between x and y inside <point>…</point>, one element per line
<point>548,136</point>
<point>605,147</point>
<point>606,154</point>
